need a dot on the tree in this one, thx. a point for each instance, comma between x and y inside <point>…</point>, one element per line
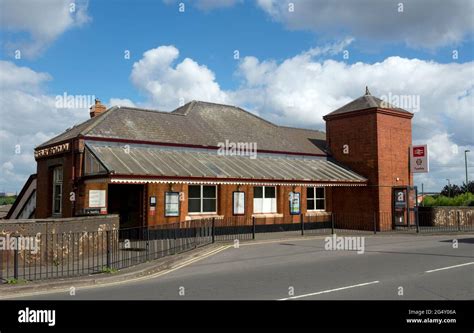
<point>451,190</point>
<point>469,187</point>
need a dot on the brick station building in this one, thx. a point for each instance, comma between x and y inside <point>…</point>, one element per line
<point>156,167</point>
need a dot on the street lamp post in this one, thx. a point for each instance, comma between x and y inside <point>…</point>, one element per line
<point>449,187</point>
<point>465,163</point>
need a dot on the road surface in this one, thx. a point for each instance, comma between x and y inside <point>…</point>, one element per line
<point>391,268</point>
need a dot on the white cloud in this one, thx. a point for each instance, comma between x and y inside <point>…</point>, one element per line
<point>120,102</point>
<point>301,89</point>
<point>423,23</point>
<point>168,85</point>
<point>296,91</point>
<point>28,117</point>
<point>43,21</point>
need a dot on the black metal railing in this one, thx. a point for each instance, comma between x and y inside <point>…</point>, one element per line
<point>84,253</point>
<point>46,256</point>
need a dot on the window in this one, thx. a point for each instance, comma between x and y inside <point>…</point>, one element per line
<point>172,204</point>
<point>92,165</point>
<point>264,199</point>
<point>202,199</point>
<point>316,198</point>
<point>57,189</point>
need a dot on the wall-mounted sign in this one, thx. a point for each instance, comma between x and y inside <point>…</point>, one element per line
<point>54,150</point>
<point>295,203</point>
<point>152,201</point>
<point>92,211</point>
<point>238,203</point>
<point>419,161</point>
<point>172,204</point>
<point>96,198</point>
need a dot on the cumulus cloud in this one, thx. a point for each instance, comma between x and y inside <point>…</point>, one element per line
<point>28,117</point>
<point>301,89</point>
<point>168,85</point>
<point>422,23</point>
<point>120,102</point>
<point>297,91</point>
<point>42,21</point>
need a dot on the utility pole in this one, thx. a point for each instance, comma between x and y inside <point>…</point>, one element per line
<point>465,164</point>
<point>449,187</point>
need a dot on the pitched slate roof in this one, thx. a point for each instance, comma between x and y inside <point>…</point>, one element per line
<point>197,123</point>
<point>157,161</point>
<point>366,101</point>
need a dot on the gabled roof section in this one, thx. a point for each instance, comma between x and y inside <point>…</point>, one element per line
<point>365,102</point>
<point>199,124</point>
<point>77,130</point>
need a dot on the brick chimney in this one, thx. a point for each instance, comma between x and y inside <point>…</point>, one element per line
<point>97,108</point>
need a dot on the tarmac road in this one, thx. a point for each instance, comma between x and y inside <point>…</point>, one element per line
<point>391,268</point>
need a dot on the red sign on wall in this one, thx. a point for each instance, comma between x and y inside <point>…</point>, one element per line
<point>419,159</point>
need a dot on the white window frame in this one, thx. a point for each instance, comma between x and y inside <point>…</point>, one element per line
<point>315,198</point>
<point>202,199</point>
<point>272,202</point>
<point>57,180</point>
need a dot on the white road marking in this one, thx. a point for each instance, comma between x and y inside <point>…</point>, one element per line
<point>449,267</point>
<point>147,277</point>
<point>330,290</point>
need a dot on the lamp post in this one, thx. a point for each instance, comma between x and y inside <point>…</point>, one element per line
<point>449,187</point>
<point>465,163</point>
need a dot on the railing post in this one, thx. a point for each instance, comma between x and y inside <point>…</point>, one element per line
<point>213,229</point>
<point>459,220</point>
<point>302,224</point>
<point>332,223</point>
<point>176,237</point>
<point>148,243</point>
<point>375,223</point>
<point>253,227</point>
<point>15,260</point>
<point>417,222</point>
<point>107,235</point>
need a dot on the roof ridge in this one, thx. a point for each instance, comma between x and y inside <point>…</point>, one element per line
<point>301,128</point>
<point>149,110</point>
<point>254,115</point>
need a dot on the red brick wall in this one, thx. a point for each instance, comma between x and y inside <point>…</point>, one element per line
<point>378,150</point>
<point>44,188</point>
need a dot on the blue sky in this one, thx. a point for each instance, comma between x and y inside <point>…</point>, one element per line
<point>408,52</point>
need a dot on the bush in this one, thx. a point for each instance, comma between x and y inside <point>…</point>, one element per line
<point>7,200</point>
<point>465,199</point>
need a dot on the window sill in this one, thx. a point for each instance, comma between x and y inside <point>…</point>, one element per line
<point>316,212</point>
<point>199,216</point>
<point>257,215</point>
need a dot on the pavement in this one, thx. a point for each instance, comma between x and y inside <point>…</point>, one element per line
<point>392,267</point>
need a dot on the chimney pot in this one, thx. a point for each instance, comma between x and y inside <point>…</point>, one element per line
<point>97,108</point>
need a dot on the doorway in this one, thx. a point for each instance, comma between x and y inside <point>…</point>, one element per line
<point>127,201</point>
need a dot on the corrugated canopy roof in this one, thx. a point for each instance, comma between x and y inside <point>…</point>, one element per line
<point>156,161</point>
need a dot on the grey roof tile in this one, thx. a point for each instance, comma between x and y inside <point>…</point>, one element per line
<point>198,123</point>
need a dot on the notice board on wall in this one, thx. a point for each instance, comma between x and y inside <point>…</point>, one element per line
<point>96,198</point>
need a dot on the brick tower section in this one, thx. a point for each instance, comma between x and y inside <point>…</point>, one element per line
<point>373,142</point>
